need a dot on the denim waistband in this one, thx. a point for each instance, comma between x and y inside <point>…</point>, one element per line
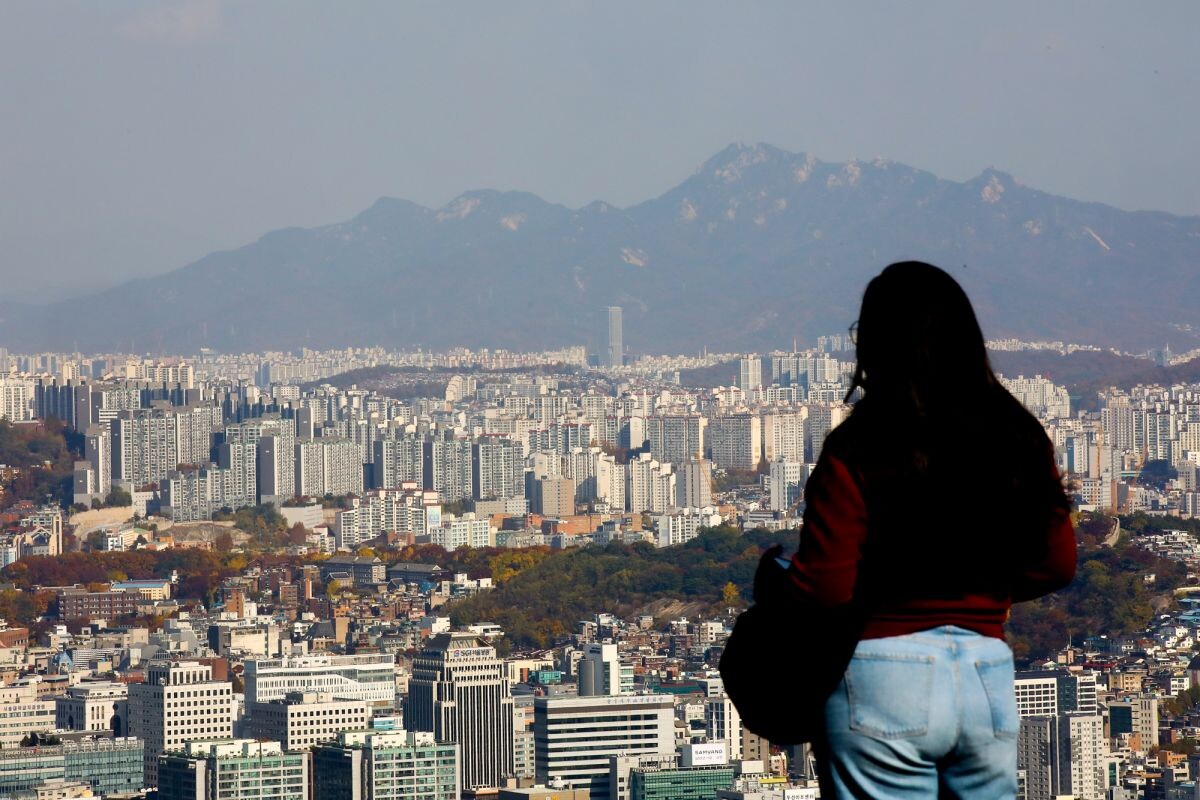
<point>947,637</point>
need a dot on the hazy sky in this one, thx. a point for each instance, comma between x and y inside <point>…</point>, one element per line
<point>138,136</point>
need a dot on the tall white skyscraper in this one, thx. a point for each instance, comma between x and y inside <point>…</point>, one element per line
<point>460,692</point>
<point>615,353</point>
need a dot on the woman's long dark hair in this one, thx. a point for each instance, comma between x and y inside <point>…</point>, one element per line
<point>959,477</point>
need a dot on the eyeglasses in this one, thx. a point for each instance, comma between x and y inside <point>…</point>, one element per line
<point>854,333</point>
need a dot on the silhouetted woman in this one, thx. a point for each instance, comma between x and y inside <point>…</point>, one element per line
<point>937,505</point>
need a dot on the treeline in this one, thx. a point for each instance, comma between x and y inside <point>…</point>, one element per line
<point>200,572</point>
<point>540,604</point>
<point>1109,595</point>
<point>45,452</point>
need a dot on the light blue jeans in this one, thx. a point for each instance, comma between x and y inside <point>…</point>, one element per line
<point>925,715</point>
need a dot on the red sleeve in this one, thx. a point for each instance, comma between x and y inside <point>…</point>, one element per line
<point>825,567</point>
<point>1052,568</point>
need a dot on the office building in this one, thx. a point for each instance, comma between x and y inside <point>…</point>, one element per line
<point>1048,693</point>
<point>303,719</point>
<point>1063,755</point>
<point>523,749</point>
<point>698,773</point>
<point>576,737</point>
<point>238,769</point>
<point>723,723</point>
<point>601,672</point>
<point>23,712</point>
<point>107,766</point>
<point>178,703</point>
<point>1135,715</point>
<point>368,677</point>
<point>391,765</point>
<point>93,707</point>
<point>459,692</point>
<point>614,354</point>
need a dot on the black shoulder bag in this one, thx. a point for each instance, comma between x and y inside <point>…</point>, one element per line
<point>785,657</point>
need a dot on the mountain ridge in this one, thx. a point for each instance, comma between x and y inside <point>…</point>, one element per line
<point>757,247</point>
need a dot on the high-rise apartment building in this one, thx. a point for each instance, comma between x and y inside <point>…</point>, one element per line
<point>694,485</point>
<point>405,510</point>
<point>498,468</point>
<point>676,437</point>
<point>460,692</point>
<point>750,374</point>
<point>398,460</point>
<point>16,399</point>
<point>787,483</point>
<point>736,441</point>
<point>148,444</point>
<point>650,485</point>
<point>266,469</point>
<point>462,531</point>
<point>447,467</point>
<point>179,702</point>
<point>822,418</point>
<point>783,436</point>
<point>328,465</point>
